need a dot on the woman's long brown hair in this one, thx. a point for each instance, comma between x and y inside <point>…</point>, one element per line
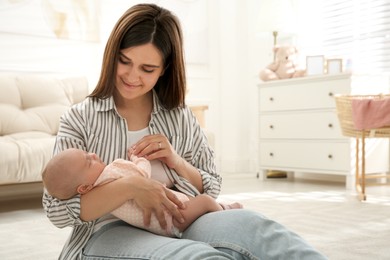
<point>142,24</point>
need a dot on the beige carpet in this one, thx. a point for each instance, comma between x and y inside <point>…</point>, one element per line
<point>28,234</point>
<point>338,225</point>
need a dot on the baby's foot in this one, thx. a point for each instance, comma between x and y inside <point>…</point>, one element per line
<point>235,205</point>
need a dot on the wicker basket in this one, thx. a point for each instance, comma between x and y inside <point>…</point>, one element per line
<point>344,112</point>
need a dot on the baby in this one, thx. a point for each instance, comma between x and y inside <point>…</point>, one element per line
<point>74,171</point>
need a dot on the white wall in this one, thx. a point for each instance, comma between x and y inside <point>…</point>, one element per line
<point>226,80</point>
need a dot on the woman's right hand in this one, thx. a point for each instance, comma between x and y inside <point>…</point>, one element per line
<point>153,197</point>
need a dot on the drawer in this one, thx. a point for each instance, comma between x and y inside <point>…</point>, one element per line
<point>305,95</point>
<point>308,125</point>
<point>313,156</point>
<point>319,157</point>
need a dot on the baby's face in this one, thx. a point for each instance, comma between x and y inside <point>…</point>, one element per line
<point>90,165</point>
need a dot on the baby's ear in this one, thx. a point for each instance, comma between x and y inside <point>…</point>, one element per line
<point>82,189</point>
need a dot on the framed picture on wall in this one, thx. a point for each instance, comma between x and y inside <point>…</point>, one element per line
<point>334,66</point>
<point>315,65</point>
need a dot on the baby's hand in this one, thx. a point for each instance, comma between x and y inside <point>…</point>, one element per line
<point>130,153</point>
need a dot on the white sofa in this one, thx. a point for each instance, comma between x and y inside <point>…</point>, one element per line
<point>30,108</point>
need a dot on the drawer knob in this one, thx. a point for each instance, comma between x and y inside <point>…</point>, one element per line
<point>330,125</point>
<point>330,94</point>
<point>271,154</point>
<point>271,99</point>
<point>271,126</point>
<point>330,156</point>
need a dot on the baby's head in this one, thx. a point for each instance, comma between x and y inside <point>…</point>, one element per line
<point>70,172</point>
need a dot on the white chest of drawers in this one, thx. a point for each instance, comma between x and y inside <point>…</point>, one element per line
<point>299,129</point>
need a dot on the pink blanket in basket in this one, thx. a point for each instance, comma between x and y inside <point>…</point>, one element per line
<point>371,113</point>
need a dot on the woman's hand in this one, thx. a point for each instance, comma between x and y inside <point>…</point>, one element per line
<point>153,197</point>
<point>157,147</point>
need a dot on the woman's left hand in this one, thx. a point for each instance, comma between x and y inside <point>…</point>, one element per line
<point>156,147</point>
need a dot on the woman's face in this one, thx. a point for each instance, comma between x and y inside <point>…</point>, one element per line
<point>138,70</point>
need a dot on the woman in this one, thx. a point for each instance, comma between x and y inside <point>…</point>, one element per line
<point>139,103</point>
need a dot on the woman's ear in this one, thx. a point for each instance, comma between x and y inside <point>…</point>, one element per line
<point>164,69</point>
<point>162,72</point>
<point>84,188</point>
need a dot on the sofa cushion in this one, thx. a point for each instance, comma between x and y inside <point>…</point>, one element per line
<point>30,109</point>
<point>32,103</point>
<point>24,156</point>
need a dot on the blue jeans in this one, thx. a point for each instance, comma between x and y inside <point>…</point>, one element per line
<point>229,234</point>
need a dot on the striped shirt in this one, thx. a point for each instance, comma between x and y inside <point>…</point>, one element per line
<point>95,126</point>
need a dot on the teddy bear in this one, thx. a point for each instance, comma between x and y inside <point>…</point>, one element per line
<point>285,65</point>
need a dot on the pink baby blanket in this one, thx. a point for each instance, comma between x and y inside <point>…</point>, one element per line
<point>371,113</point>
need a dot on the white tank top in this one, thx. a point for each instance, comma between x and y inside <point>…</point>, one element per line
<point>158,172</point>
